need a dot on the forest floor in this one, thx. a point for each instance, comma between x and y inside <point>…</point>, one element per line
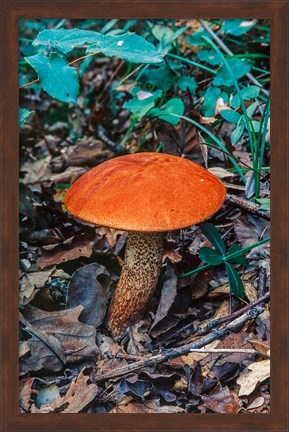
<point>199,348</point>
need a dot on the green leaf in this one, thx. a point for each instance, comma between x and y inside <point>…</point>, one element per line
<point>142,101</point>
<point>195,39</point>
<point>127,46</point>
<point>237,27</point>
<point>238,259</point>
<point>230,116</point>
<point>187,82</point>
<point>23,114</point>
<point>264,203</point>
<point>237,133</point>
<point>210,256</point>
<point>65,40</point>
<point>256,125</point>
<point>173,106</point>
<point>247,93</point>
<point>214,237</point>
<point>235,282</point>
<point>209,56</point>
<point>159,76</point>
<point>210,97</point>
<point>56,77</point>
<point>166,36</point>
<point>251,109</point>
<point>239,68</point>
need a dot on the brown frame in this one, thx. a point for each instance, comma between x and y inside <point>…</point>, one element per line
<point>277,11</point>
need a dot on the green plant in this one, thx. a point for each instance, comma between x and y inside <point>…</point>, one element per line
<point>219,255</point>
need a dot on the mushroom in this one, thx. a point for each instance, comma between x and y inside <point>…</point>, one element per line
<point>145,194</point>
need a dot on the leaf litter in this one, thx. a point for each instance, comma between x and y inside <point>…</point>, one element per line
<point>65,342</point>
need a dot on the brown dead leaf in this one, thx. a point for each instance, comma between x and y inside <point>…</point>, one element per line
<point>68,176</point>
<point>70,249</point>
<point>194,357</point>
<point>88,153</point>
<point>257,403</point>
<point>221,172</point>
<point>201,282</point>
<point>25,391</point>
<point>147,407</point>
<point>112,235</point>
<point>169,292</point>
<point>223,401</point>
<point>172,255</point>
<point>35,170</point>
<point>58,337</point>
<point>29,282</point>
<point>255,374</point>
<point>80,393</point>
<point>263,324</point>
<point>89,287</point>
<point>221,312</point>
<point>249,230</point>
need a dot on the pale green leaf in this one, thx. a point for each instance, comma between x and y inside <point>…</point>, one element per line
<point>230,115</point>
<point>173,106</point>
<point>65,40</point>
<point>128,46</point>
<point>239,68</point>
<point>56,77</point>
<point>23,115</point>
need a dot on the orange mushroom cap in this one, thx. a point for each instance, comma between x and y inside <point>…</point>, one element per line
<point>147,192</point>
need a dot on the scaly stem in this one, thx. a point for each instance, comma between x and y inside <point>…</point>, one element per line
<point>138,279</point>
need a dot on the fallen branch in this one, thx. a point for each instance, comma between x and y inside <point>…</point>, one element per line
<point>246,205</point>
<point>183,350</point>
<point>216,322</point>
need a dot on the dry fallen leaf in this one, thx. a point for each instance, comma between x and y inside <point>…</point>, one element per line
<point>147,407</point>
<point>79,394</point>
<point>194,357</point>
<point>89,287</point>
<point>57,337</point>
<point>223,401</point>
<point>249,379</point>
<point>29,282</point>
<point>25,391</point>
<point>169,292</point>
<point>70,249</point>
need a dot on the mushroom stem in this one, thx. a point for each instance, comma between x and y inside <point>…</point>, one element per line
<point>138,279</point>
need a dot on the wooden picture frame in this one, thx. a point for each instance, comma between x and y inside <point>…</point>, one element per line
<point>277,12</point>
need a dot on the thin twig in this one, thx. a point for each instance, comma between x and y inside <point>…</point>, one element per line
<point>216,322</point>
<point>246,205</point>
<point>230,53</point>
<point>229,351</point>
<point>183,350</point>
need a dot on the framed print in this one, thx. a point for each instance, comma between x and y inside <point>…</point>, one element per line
<point>144,235</point>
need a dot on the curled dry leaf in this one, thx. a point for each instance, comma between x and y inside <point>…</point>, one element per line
<point>172,255</point>
<point>80,393</point>
<point>89,287</point>
<point>88,153</point>
<point>169,292</point>
<point>25,391</point>
<point>222,401</point>
<point>256,373</point>
<point>57,337</point>
<point>152,406</point>
<point>29,282</point>
<point>221,172</point>
<point>70,249</point>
